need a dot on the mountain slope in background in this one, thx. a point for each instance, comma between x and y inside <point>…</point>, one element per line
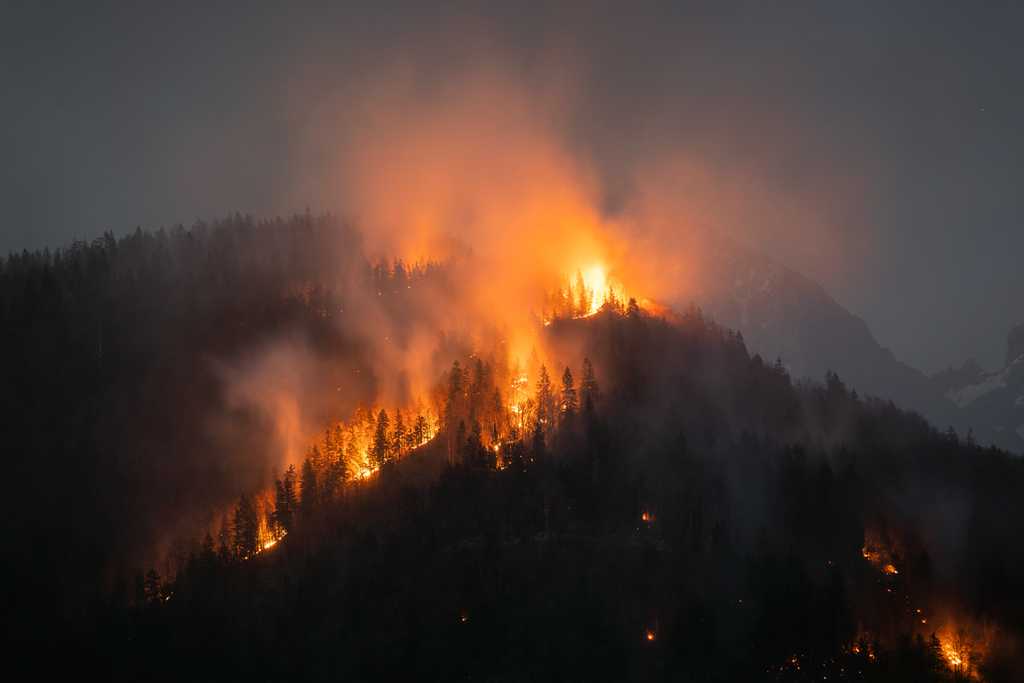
<point>996,397</point>
<point>783,314</point>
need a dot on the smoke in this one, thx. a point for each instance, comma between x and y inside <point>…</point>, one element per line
<point>480,164</point>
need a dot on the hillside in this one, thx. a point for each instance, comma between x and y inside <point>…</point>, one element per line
<point>783,314</point>
<point>641,499</point>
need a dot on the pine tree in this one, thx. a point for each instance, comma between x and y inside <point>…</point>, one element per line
<point>287,502</point>
<point>246,529</point>
<point>208,553</point>
<point>583,296</point>
<point>633,309</point>
<point>420,430</point>
<point>569,404</point>
<point>412,439</point>
<point>476,389</point>
<point>453,404</point>
<point>308,483</point>
<point>537,445</point>
<point>399,435</point>
<point>589,389</point>
<point>381,449</point>
<point>453,408</point>
<point>545,399</point>
<point>473,447</point>
<point>223,544</point>
<point>460,435</point>
<point>282,511</point>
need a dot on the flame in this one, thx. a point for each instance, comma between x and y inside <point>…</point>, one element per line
<point>585,292</point>
<point>964,645</point>
<point>881,552</point>
<point>596,281</point>
<point>650,635</point>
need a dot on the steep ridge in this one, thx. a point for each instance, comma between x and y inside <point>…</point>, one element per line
<point>783,314</point>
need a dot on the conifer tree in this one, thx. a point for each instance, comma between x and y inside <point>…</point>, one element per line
<point>246,529</point>
<point>286,500</point>
<point>633,309</point>
<point>460,435</point>
<point>420,430</point>
<point>224,544</point>
<point>583,298</point>
<point>569,403</point>
<point>537,442</point>
<point>308,483</point>
<point>453,409</point>
<point>545,399</point>
<point>589,390</point>
<point>381,449</point>
<point>398,436</point>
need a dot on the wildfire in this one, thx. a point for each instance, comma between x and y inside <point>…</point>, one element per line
<point>586,293</point>
<point>598,288</point>
<point>963,646</point>
<point>880,552</point>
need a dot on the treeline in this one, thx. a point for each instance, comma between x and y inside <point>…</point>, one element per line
<point>351,452</point>
<point>112,363</point>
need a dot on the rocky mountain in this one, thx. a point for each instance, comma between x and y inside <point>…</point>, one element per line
<point>994,398</point>
<point>783,314</point>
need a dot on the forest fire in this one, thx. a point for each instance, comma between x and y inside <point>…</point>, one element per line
<point>964,646</point>
<point>589,291</point>
<point>881,552</point>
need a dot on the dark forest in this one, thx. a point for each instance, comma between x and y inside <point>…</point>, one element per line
<point>646,499</point>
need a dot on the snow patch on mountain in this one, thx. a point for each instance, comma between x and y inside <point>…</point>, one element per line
<point>969,394</point>
<point>998,380</point>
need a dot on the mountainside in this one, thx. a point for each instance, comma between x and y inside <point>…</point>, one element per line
<point>640,499</point>
<point>699,522</point>
<point>996,397</point>
<point>783,314</point>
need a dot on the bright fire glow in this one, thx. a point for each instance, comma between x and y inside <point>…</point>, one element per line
<point>585,292</point>
<point>964,646</point>
<point>881,551</point>
<point>595,280</point>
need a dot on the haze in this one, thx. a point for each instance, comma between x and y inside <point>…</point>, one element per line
<point>876,150</point>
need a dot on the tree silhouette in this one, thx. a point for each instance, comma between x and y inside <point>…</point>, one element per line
<point>589,389</point>
<point>380,452</point>
<point>569,403</point>
<point>246,529</point>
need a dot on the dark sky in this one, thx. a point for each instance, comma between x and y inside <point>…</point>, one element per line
<point>897,125</point>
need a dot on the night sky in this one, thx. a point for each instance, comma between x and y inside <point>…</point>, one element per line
<point>895,132</point>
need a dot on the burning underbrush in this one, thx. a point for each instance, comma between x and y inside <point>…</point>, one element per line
<point>907,601</point>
